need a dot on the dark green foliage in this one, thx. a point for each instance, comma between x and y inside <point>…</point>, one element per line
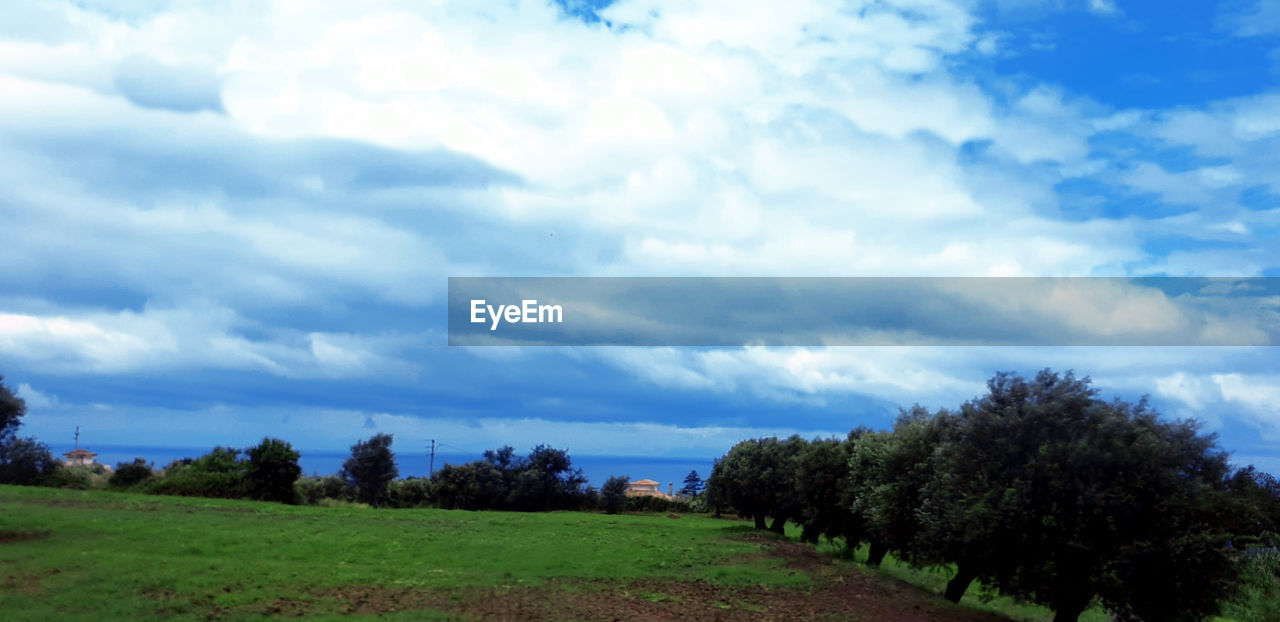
<point>1258,599</point>
<point>1051,495</point>
<point>131,473</point>
<point>411,492</point>
<point>544,480</point>
<point>311,490</point>
<point>219,460</point>
<point>693,485</point>
<point>822,471</point>
<point>371,468</point>
<point>25,462</point>
<point>548,481</point>
<point>757,477</point>
<point>78,477</point>
<point>12,408</point>
<point>613,496</point>
<point>219,474</point>
<point>887,474</point>
<point>271,470</point>
<point>651,503</point>
<point>472,486</point>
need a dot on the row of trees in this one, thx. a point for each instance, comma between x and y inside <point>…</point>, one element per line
<point>1040,489</point>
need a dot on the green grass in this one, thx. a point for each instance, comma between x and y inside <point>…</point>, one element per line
<point>935,580</point>
<point>128,556</point>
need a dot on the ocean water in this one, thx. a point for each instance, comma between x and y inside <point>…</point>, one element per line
<point>665,470</point>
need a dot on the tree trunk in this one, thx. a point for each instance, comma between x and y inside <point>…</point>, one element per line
<point>1068,614</point>
<point>759,521</point>
<point>779,525</point>
<point>876,554</point>
<point>809,534</point>
<point>1071,610</point>
<point>958,584</point>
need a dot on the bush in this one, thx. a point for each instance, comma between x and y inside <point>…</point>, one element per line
<point>131,473</point>
<point>79,477</point>
<point>409,493</point>
<point>272,470</point>
<point>649,503</point>
<point>314,489</point>
<point>1259,597</point>
<point>189,481</point>
<point>26,462</point>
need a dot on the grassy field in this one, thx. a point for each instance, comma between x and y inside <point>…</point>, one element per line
<point>96,555</point>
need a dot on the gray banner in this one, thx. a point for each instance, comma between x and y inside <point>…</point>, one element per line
<point>697,311</point>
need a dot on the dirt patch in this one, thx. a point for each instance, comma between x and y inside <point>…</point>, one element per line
<point>28,584</point>
<point>375,599</point>
<point>9,536</point>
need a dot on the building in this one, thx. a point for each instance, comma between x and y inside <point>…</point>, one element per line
<point>80,457</point>
<point>648,487</point>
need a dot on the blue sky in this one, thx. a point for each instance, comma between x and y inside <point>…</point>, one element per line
<point>224,220</point>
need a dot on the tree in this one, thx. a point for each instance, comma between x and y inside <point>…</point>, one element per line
<point>887,472</point>
<point>614,493</point>
<point>547,482</point>
<point>272,470</point>
<point>757,477</point>
<point>1051,495</point>
<point>12,408</point>
<point>26,462</point>
<point>371,468</point>
<point>472,486</point>
<point>821,471</point>
<point>692,484</point>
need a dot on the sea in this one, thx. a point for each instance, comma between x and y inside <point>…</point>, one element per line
<point>667,471</point>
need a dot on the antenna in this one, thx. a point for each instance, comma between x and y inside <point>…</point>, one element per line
<point>432,472</point>
<point>77,437</point>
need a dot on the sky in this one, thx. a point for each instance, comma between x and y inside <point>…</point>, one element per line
<point>224,220</point>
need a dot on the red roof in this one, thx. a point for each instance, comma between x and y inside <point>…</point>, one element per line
<point>645,482</point>
<point>76,453</point>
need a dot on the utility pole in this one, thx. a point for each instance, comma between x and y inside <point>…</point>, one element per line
<point>77,437</point>
<point>432,472</point>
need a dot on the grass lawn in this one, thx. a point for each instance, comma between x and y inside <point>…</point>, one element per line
<point>96,555</point>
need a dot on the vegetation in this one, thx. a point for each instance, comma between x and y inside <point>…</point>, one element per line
<point>271,470</point>
<point>371,468</point>
<point>1039,489</point>
<point>111,555</point>
<point>614,494</point>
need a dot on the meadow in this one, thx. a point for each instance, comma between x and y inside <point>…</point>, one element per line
<point>100,555</point>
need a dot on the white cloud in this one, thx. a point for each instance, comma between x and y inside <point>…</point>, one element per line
<point>1251,18</point>
<point>34,399</point>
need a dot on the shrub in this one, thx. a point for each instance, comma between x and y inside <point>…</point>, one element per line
<point>131,473</point>
<point>314,489</point>
<point>79,477</point>
<point>409,493</point>
<point>1259,597</point>
<point>649,503</point>
<point>189,481</point>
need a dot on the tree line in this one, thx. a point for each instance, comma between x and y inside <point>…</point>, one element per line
<point>1040,489</point>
